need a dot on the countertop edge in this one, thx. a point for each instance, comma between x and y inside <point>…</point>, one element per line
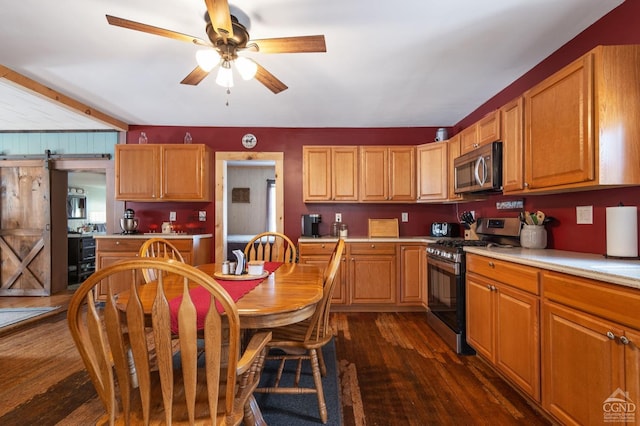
<point>159,235</point>
<point>597,267</point>
<point>417,239</point>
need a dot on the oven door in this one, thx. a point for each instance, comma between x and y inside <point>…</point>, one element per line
<point>446,292</point>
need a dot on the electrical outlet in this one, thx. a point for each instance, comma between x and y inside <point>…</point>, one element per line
<point>405,217</point>
<point>584,215</point>
<point>338,217</point>
<point>202,216</point>
<point>172,216</point>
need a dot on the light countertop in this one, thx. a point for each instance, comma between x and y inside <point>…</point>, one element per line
<point>146,236</point>
<point>594,266</point>
<point>417,239</point>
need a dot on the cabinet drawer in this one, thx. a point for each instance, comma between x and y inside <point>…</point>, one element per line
<point>315,249</point>
<point>607,301</point>
<point>372,248</point>
<point>518,276</point>
<point>119,244</point>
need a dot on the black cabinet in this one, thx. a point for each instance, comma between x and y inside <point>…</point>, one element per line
<point>82,258</point>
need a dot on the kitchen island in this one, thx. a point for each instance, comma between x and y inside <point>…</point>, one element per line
<point>111,248</point>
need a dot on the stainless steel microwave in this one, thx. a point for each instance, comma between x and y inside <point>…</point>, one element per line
<point>479,170</point>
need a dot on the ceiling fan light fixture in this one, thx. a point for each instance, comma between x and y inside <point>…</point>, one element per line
<point>225,76</point>
<point>246,67</point>
<point>207,59</point>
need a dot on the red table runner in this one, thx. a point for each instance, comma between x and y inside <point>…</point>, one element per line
<point>202,298</point>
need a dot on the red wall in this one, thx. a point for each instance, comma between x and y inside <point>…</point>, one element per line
<point>618,27</point>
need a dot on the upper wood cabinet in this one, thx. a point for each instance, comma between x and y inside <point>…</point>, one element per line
<point>330,173</point>
<point>433,171</point>
<point>483,132</point>
<point>387,173</point>
<point>512,115</point>
<point>163,172</point>
<point>454,152</point>
<point>581,124</point>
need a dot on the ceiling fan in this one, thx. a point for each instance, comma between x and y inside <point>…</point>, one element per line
<point>227,37</point>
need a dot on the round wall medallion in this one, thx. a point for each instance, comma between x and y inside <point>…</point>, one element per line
<point>249,141</point>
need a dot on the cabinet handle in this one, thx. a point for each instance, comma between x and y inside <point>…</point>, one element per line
<point>624,340</point>
<point>492,265</point>
<point>493,288</point>
<point>322,246</point>
<point>488,287</point>
<point>610,335</point>
<point>373,246</point>
<point>117,243</point>
<point>526,185</point>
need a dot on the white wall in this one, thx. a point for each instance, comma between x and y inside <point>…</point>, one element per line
<point>248,218</point>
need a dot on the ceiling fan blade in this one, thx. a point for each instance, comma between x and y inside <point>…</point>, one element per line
<point>220,17</point>
<point>195,76</point>
<point>137,26</point>
<point>269,80</point>
<point>300,44</point>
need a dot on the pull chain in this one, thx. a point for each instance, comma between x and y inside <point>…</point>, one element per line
<point>228,93</point>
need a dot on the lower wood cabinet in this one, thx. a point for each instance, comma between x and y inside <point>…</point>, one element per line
<point>591,350</point>
<point>374,276</point>
<point>503,319</point>
<point>195,250</point>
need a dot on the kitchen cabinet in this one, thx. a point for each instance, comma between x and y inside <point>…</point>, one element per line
<point>581,126</point>
<point>503,319</point>
<point>195,249</point>
<point>330,173</point>
<point>81,258</point>
<point>454,152</point>
<point>387,174</point>
<point>512,118</point>
<point>591,335</point>
<point>372,273</point>
<point>319,254</point>
<point>483,132</point>
<point>163,172</point>
<point>433,171</point>
<point>413,274</point>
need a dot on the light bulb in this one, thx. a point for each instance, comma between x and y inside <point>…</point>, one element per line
<point>207,59</point>
<point>246,67</point>
<point>225,76</point>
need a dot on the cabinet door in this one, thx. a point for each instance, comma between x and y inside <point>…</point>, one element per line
<point>118,282</point>
<point>480,315</point>
<point>468,139</point>
<point>518,338</point>
<point>632,368</point>
<point>344,168</point>
<point>402,173</point>
<point>489,128</point>
<point>373,279</point>
<point>339,296</point>
<point>512,146</point>
<point>316,173</point>
<point>137,172</point>
<point>413,283</point>
<point>581,365</point>
<point>559,140</point>
<point>185,173</point>
<point>454,152</point>
<point>433,170</point>
<point>374,173</point>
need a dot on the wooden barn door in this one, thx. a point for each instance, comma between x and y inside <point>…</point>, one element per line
<point>26,228</point>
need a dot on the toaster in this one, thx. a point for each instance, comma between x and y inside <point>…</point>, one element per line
<point>445,229</point>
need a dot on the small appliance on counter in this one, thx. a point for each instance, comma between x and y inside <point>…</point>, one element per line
<point>129,223</point>
<point>311,225</point>
<point>445,229</point>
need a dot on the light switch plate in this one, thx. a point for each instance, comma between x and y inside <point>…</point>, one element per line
<point>202,216</point>
<point>405,217</point>
<point>172,216</point>
<point>584,215</point>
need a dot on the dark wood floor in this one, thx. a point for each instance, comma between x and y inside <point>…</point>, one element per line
<point>394,370</point>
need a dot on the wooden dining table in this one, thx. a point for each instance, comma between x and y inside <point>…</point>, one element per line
<point>286,296</point>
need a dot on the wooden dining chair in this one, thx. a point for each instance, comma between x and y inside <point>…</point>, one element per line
<point>158,247</point>
<point>271,247</point>
<point>305,340</point>
<point>175,385</point>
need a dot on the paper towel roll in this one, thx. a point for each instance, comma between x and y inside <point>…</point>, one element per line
<point>622,231</point>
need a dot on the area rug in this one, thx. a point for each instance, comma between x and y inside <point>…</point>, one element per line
<point>9,316</point>
<point>301,409</point>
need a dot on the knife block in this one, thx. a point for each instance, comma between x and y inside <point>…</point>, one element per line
<point>470,234</point>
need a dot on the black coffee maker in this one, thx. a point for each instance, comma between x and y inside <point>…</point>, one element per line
<point>310,225</point>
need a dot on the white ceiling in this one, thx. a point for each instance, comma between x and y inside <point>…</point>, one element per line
<point>388,64</point>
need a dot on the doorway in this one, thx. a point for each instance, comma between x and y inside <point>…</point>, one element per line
<point>223,160</point>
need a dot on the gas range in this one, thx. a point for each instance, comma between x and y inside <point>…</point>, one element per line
<point>453,249</point>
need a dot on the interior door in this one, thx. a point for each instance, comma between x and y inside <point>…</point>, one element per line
<point>26,225</point>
